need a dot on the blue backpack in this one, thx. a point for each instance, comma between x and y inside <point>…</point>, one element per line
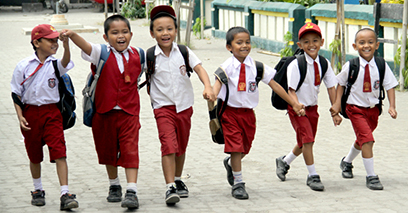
<point>88,102</point>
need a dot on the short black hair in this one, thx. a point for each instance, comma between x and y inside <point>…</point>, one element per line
<point>156,17</point>
<point>32,43</point>
<point>233,31</point>
<point>110,19</point>
<point>364,29</point>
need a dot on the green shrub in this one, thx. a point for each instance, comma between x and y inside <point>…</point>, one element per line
<point>133,9</point>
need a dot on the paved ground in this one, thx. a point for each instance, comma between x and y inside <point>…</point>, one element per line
<point>204,172</point>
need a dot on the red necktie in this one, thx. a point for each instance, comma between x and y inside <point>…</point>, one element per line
<point>241,81</point>
<point>317,74</point>
<point>125,68</point>
<point>36,69</point>
<point>367,79</point>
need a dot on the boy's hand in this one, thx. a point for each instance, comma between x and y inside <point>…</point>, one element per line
<point>24,124</point>
<point>299,109</point>
<point>65,34</point>
<point>337,119</point>
<point>208,94</point>
<point>335,110</point>
<point>392,112</point>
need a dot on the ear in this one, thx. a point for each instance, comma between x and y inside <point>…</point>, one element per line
<point>322,42</point>
<point>377,45</point>
<point>229,47</point>
<point>152,34</point>
<point>105,37</point>
<point>299,45</point>
<point>36,43</point>
<point>355,46</point>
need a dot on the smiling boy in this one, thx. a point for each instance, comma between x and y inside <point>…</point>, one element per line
<point>115,125</point>
<point>310,41</point>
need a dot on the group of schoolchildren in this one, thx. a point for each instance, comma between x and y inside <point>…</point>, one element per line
<point>116,121</point>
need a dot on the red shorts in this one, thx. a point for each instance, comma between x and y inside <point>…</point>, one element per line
<point>174,129</point>
<point>238,126</point>
<point>305,126</point>
<point>116,136</point>
<point>46,128</point>
<point>364,121</point>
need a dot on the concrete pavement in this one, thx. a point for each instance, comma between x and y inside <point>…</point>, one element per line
<point>204,173</point>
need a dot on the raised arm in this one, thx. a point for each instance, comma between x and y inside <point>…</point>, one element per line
<point>77,39</point>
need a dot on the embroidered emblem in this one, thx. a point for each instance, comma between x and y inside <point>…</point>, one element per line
<point>183,70</point>
<point>53,29</point>
<point>51,82</point>
<point>366,87</point>
<point>377,84</point>
<point>309,26</point>
<point>252,86</point>
<point>241,86</point>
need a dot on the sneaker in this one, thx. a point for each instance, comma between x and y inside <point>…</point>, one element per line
<point>182,189</point>
<point>281,168</point>
<point>115,193</point>
<point>68,202</point>
<point>38,198</point>
<point>171,196</point>
<point>230,177</point>
<point>346,169</point>
<point>314,183</point>
<point>130,201</point>
<point>239,192</point>
<point>373,183</point>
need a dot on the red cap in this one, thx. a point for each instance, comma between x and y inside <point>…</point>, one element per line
<point>309,27</point>
<point>44,31</point>
<point>162,10</point>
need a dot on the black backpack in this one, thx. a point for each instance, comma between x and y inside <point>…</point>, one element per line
<point>67,104</point>
<point>281,75</point>
<point>217,109</point>
<point>151,62</point>
<point>354,68</point>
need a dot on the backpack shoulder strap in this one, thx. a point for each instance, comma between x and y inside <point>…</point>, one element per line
<point>354,68</point>
<point>141,56</point>
<point>302,69</point>
<point>151,60</point>
<point>323,64</point>
<point>221,75</point>
<point>381,69</point>
<point>55,65</point>
<point>259,71</point>
<point>184,52</point>
<point>102,59</point>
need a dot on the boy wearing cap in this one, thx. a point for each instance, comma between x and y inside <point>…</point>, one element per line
<point>172,98</point>
<point>310,40</point>
<point>115,125</point>
<point>34,89</point>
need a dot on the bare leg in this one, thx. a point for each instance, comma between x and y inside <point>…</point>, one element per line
<point>169,167</point>
<point>131,175</point>
<point>112,171</point>
<point>308,153</point>
<point>367,150</point>
<point>180,164</point>
<point>62,171</point>
<point>35,169</point>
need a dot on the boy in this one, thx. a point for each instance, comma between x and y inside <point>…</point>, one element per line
<point>171,94</point>
<point>360,106</point>
<point>34,88</point>
<point>115,125</point>
<point>238,120</point>
<point>310,40</point>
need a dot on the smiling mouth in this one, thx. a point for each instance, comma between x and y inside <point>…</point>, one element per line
<point>165,39</point>
<point>121,42</point>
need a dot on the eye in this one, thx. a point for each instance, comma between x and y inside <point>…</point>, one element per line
<point>239,43</point>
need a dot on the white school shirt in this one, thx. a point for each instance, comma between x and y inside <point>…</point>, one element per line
<point>250,97</point>
<point>96,54</point>
<point>366,99</point>
<point>169,84</point>
<point>308,92</point>
<point>42,87</point>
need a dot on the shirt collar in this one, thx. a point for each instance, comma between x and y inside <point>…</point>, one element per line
<point>34,57</point>
<point>363,62</point>
<point>310,60</point>
<point>158,50</point>
<point>237,64</point>
<point>115,51</point>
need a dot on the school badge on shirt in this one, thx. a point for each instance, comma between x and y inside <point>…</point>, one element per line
<point>183,70</point>
<point>252,86</point>
<point>51,82</point>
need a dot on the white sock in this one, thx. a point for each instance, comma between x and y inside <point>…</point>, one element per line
<point>37,184</point>
<point>311,169</point>
<point>369,166</point>
<point>237,177</point>
<point>131,186</point>
<point>64,189</point>
<point>114,181</point>
<point>289,158</point>
<point>170,185</point>
<point>177,178</point>
<point>352,154</point>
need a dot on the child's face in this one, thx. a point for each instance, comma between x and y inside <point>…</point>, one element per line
<point>366,43</point>
<point>119,35</point>
<point>46,46</point>
<point>240,46</point>
<point>311,43</point>
<point>164,32</point>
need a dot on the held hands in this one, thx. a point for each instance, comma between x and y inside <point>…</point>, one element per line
<point>337,119</point>
<point>64,37</point>
<point>392,112</point>
<point>299,109</point>
<point>208,94</point>
<point>334,111</point>
<point>24,124</point>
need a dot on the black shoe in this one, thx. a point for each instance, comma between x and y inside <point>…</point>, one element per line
<point>314,183</point>
<point>346,169</point>
<point>239,192</point>
<point>373,183</point>
<point>38,198</point>
<point>68,202</point>
<point>182,189</point>
<point>281,168</point>
<point>171,196</point>
<point>115,193</point>
<point>130,201</point>
<point>230,176</point>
